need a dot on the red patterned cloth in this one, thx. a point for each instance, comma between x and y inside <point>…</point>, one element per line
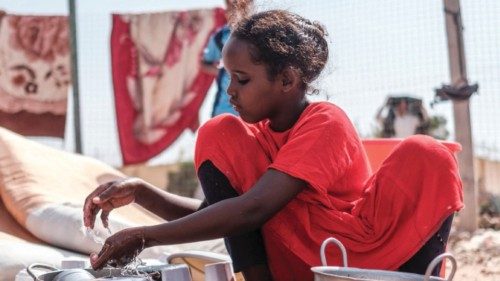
<point>383,219</point>
<point>157,80</point>
<point>34,74</point>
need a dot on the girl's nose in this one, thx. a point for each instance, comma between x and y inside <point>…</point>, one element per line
<point>230,89</point>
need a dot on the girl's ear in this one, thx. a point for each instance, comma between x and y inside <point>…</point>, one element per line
<point>290,79</point>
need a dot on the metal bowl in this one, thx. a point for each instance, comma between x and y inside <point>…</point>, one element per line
<point>345,273</point>
<point>55,274</point>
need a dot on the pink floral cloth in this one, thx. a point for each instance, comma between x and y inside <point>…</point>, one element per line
<point>34,73</point>
<point>157,80</point>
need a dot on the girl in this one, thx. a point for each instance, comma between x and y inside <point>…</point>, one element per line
<point>289,173</point>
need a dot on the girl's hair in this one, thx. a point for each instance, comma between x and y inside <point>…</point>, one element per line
<point>239,9</point>
<point>282,39</point>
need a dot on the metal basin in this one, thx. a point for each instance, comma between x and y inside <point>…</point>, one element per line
<point>55,274</point>
<point>345,273</point>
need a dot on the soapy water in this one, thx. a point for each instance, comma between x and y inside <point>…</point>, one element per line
<point>95,235</point>
<point>129,266</point>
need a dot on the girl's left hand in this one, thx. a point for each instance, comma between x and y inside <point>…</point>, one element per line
<point>119,249</point>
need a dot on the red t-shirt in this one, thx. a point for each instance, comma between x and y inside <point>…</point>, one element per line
<point>341,199</point>
<point>324,150</point>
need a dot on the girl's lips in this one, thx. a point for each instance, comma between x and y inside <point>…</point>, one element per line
<point>234,104</point>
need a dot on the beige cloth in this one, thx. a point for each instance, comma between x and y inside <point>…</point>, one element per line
<point>43,190</point>
<point>9,227</point>
<point>33,175</point>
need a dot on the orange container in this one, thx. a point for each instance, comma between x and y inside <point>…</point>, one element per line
<point>379,148</point>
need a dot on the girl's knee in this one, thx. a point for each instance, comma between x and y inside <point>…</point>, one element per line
<point>418,143</point>
<point>219,132</point>
<point>221,126</point>
<point>425,147</point>
<point>226,140</point>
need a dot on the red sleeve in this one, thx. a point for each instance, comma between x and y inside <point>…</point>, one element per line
<point>320,149</point>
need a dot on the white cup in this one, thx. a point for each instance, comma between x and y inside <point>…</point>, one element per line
<point>221,271</point>
<point>73,262</point>
<point>178,272</point>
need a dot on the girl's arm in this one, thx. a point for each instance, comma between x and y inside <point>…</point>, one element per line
<point>164,204</point>
<point>115,194</point>
<point>232,216</point>
<point>226,218</point>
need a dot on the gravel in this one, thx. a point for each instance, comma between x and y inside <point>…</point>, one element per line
<point>477,255</point>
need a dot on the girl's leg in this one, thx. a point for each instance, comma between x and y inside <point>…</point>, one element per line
<point>247,250</point>
<point>422,174</point>
<point>434,247</point>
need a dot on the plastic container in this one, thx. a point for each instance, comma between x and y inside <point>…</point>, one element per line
<point>176,273</point>
<point>221,271</point>
<point>379,148</point>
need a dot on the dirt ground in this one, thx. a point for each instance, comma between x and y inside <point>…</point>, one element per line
<point>477,255</point>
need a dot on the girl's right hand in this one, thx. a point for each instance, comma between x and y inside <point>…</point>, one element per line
<point>107,197</point>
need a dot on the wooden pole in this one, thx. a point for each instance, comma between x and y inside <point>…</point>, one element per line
<point>461,111</point>
<point>74,76</point>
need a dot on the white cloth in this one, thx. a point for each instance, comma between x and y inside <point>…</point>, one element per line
<point>17,254</point>
<point>61,225</point>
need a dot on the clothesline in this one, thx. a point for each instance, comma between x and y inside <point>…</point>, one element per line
<point>186,105</point>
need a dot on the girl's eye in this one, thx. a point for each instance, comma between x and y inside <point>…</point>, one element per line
<point>243,81</point>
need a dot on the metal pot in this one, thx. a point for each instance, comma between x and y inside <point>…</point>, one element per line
<point>345,273</point>
<point>74,274</point>
<point>56,274</point>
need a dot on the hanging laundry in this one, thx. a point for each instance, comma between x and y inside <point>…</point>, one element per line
<point>34,74</point>
<point>158,84</point>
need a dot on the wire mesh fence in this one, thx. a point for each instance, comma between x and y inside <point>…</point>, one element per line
<point>378,48</point>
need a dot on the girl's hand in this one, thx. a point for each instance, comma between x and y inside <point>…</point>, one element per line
<point>107,197</point>
<point>119,249</point>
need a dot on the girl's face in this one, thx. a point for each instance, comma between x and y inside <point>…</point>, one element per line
<point>251,92</point>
